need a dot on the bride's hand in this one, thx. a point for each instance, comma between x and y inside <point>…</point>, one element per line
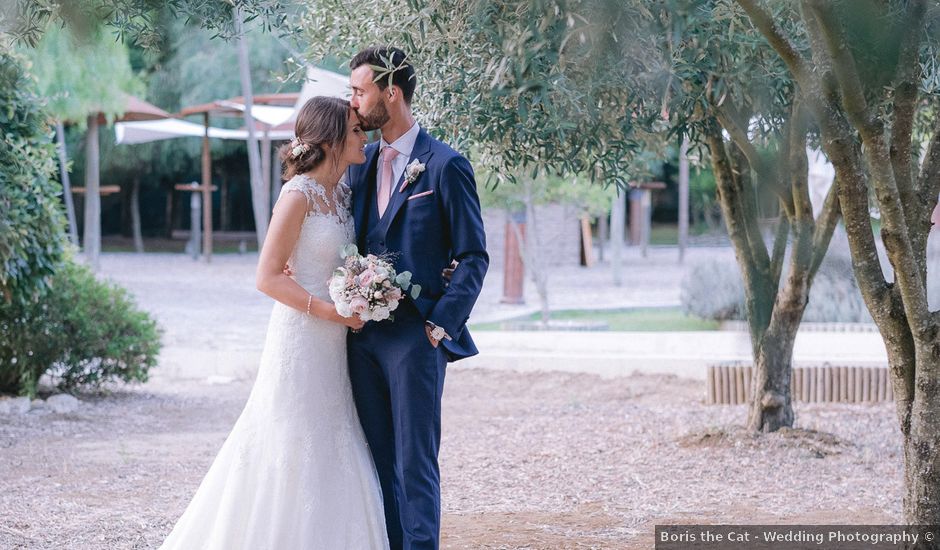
<point>353,322</point>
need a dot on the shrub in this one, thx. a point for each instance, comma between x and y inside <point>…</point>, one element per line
<point>84,332</point>
<point>835,296</point>
<point>713,289</point>
<point>32,227</point>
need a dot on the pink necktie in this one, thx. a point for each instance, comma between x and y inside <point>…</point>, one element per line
<point>385,185</point>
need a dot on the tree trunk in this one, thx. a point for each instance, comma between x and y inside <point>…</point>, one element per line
<point>617,227</point>
<point>135,215</point>
<point>260,197</point>
<point>774,313</point>
<point>66,182</point>
<point>683,198</point>
<point>771,405</point>
<point>922,446</point>
<point>534,258</point>
<point>92,240</point>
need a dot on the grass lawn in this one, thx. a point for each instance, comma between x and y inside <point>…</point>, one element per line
<point>114,243</point>
<point>668,233</point>
<point>655,319</point>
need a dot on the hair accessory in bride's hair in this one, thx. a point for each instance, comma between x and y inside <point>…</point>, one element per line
<point>298,147</point>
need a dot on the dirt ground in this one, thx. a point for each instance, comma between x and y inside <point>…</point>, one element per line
<point>529,461</point>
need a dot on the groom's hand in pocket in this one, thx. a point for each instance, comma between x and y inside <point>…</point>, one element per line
<point>427,330</point>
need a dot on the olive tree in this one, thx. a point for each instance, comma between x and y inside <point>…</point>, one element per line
<point>868,74</point>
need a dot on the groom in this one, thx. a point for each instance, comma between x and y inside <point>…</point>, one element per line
<point>414,198</point>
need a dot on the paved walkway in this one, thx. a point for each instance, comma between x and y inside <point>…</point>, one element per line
<point>214,319</point>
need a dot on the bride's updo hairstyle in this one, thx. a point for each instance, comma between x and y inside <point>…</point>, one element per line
<point>321,123</point>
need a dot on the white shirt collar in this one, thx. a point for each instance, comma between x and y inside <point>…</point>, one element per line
<point>404,144</point>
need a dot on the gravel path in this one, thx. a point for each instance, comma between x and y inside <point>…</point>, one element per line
<point>529,460</point>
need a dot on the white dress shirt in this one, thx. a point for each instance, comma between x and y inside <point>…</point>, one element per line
<point>404,145</point>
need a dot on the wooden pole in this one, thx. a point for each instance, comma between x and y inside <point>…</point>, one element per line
<point>260,199</point>
<point>513,265</point>
<point>276,176</point>
<point>206,193</point>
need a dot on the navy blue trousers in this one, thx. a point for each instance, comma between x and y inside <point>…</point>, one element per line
<point>397,380</point>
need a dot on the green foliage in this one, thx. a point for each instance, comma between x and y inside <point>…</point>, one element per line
<point>544,86</point>
<point>133,20</point>
<point>32,224</point>
<point>717,58</point>
<point>84,332</point>
<point>703,198</point>
<point>82,74</point>
<point>196,69</point>
<point>591,200</point>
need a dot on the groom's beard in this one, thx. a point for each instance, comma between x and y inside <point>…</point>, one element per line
<point>375,119</point>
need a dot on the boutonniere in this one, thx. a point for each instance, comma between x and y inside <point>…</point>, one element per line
<point>412,171</point>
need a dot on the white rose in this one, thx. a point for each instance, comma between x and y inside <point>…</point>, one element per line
<point>380,314</point>
<point>392,305</point>
<point>343,309</point>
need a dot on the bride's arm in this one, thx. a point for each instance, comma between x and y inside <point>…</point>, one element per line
<point>283,232</point>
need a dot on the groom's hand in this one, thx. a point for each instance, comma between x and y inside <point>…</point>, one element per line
<point>448,272</point>
<point>427,330</point>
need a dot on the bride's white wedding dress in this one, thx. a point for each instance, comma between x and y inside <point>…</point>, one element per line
<point>295,472</point>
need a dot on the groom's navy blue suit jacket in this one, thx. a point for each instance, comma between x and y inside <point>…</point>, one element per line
<point>434,220</point>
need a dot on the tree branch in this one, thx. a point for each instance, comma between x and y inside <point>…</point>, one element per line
<point>736,206</point>
<point>757,163</point>
<point>851,187</point>
<point>895,230</point>
<point>825,226</point>
<point>928,183</point>
<point>740,215</point>
<point>778,40</point>
<point>780,249</point>
<point>906,87</point>
<point>745,189</point>
<point>843,66</point>
<point>796,166</point>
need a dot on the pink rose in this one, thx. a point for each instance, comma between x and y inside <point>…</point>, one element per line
<point>359,305</point>
<point>394,294</point>
<point>366,277</point>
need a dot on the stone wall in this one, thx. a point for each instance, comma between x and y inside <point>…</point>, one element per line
<point>559,235</point>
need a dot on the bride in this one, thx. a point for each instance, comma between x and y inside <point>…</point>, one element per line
<point>295,472</point>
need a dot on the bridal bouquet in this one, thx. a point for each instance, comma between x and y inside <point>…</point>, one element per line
<point>368,286</point>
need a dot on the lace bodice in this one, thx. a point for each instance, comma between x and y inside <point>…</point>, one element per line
<point>326,229</point>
